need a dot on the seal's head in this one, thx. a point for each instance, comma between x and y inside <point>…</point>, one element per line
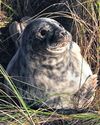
<point>47,35</point>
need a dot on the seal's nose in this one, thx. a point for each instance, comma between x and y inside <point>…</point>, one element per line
<point>60,33</point>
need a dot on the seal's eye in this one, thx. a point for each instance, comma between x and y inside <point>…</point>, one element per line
<point>43,32</point>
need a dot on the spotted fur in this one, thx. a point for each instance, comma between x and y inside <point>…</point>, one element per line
<point>50,66</point>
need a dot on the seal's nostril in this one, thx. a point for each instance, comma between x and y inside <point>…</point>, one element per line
<point>62,33</point>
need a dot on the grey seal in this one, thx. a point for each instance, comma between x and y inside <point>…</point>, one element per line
<point>48,68</point>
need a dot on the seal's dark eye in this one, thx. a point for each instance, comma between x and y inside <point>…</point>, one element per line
<point>43,32</point>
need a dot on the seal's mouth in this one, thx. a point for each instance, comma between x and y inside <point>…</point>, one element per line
<point>59,45</point>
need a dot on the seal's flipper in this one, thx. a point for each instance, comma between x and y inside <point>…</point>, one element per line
<point>16,29</point>
<point>86,93</point>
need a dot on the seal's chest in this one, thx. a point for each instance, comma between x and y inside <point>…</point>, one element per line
<point>56,79</point>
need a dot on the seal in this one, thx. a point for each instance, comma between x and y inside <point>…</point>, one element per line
<point>48,68</point>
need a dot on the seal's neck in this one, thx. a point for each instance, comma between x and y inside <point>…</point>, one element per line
<point>48,59</point>
<point>42,57</point>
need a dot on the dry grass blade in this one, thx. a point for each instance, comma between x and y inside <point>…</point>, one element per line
<point>13,87</point>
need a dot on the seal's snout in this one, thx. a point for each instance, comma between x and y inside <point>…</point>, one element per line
<point>62,34</point>
<point>60,37</point>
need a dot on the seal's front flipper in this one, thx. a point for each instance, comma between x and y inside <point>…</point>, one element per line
<point>85,95</point>
<point>17,28</point>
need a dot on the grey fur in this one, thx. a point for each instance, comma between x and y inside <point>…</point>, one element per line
<point>50,67</point>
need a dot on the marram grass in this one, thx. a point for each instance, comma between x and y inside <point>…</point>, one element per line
<point>15,115</point>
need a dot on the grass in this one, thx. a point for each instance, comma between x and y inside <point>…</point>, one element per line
<point>86,32</point>
<point>6,13</point>
<point>15,115</point>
